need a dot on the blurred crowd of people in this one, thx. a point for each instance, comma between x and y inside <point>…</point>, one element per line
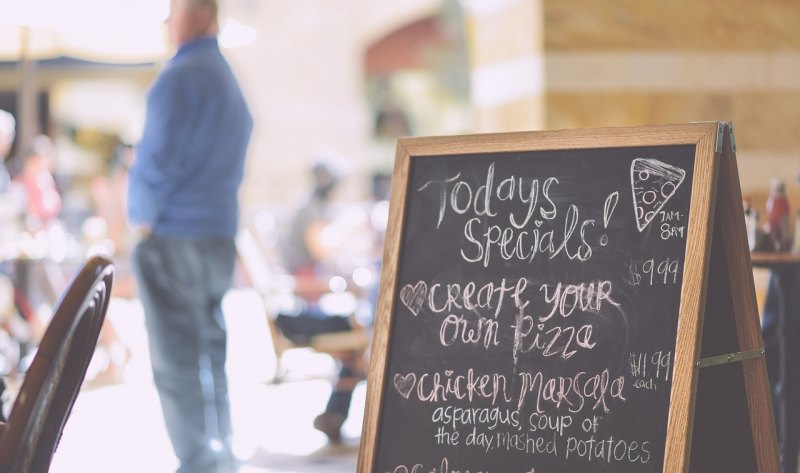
<point>330,251</point>
<point>37,254</point>
<point>166,212</point>
<point>30,205</point>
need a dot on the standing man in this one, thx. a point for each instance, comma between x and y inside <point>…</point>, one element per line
<point>183,197</point>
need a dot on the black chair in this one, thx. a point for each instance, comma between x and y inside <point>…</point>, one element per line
<point>57,372</point>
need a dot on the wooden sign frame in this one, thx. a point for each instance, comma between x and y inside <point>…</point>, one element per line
<point>716,225</point>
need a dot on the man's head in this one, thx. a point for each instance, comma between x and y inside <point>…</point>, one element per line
<point>191,19</point>
<point>7,132</point>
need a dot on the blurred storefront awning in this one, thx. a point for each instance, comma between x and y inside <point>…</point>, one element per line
<point>88,31</point>
<point>110,31</point>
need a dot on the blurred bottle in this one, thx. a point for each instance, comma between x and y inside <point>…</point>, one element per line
<point>796,244</point>
<point>778,216</point>
<point>751,223</point>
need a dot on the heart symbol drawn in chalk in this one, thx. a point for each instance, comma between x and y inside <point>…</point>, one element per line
<point>414,296</point>
<point>405,384</point>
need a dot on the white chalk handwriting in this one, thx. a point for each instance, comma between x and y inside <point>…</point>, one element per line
<point>520,235</point>
<point>443,467</point>
<point>653,272</point>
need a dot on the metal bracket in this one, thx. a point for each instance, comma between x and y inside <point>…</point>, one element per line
<point>729,358</point>
<point>733,140</point>
<point>720,137</point>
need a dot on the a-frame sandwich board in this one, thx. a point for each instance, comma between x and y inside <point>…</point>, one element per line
<point>718,414</point>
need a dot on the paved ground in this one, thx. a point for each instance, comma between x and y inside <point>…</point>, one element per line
<point>117,427</point>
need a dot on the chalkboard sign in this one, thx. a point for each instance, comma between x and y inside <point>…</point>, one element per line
<point>541,304</point>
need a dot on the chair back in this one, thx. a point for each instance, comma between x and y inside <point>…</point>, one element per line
<point>58,370</point>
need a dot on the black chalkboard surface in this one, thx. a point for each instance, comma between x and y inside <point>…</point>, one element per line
<point>534,298</point>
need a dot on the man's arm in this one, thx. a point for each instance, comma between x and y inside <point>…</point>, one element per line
<point>159,156</point>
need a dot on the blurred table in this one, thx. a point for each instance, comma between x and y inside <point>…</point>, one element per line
<point>781,329</point>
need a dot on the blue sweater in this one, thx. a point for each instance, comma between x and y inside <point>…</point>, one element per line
<point>190,161</point>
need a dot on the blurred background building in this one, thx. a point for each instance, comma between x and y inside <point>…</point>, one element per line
<point>325,74</point>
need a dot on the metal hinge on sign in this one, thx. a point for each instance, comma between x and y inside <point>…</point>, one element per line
<point>730,134</point>
<point>720,137</point>
<point>729,358</point>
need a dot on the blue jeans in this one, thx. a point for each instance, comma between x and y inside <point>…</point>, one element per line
<point>181,283</point>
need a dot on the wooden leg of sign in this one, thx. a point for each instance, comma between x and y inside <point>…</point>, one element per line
<point>746,311</point>
<point>722,438</point>
<point>734,428</point>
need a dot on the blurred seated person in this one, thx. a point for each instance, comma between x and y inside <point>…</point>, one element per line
<point>43,199</point>
<point>304,250</point>
<point>306,258</point>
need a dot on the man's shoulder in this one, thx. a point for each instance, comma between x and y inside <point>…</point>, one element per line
<point>190,69</point>
<point>201,57</point>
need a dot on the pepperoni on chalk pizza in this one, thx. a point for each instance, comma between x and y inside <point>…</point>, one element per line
<point>654,183</point>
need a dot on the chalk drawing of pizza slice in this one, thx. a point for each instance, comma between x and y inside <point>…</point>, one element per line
<point>654,183</point>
